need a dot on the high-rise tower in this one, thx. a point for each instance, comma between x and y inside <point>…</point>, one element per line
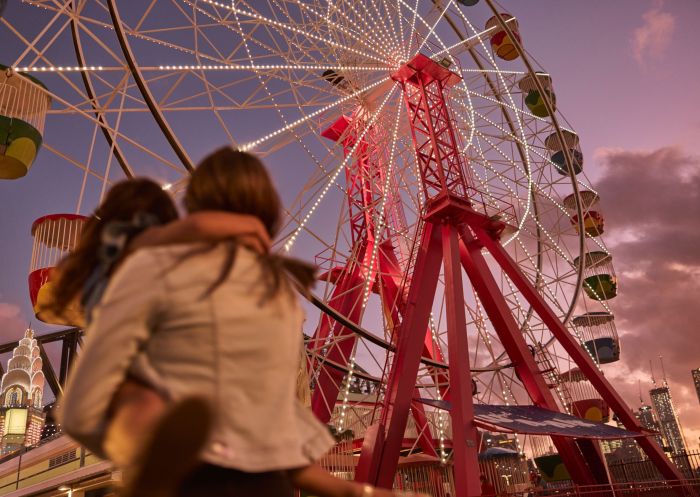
<point>696,380</point>
<point>645,414</point>
<point>21,395</point>
<point>667,418</point>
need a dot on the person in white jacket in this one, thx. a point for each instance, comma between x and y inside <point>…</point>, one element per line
<point>217,322</point>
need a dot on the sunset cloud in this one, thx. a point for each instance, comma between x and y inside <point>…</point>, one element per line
<point>651,40</point>
<point>657,195</point>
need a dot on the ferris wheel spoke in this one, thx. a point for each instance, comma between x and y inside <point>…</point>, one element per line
<point>412,29</point>
<point>87,114</point>
<point>255,143</point>
<point>391,34</point>
<point>31,46</point>
<point>73,161</point>
<point>339,28</point>
<point>119,135</point>
<point>267,90</point>
<point>431,30</point>
<point>361,23</point>
<point>40,55</point>
<point>290,28</point>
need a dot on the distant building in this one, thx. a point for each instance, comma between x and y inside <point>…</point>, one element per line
<point>668,419</point>
<point>51,425</point>
<point>696,380</point>
<point>21,395</point>
<point>645,415</point>
<point>57,466</point>
<point>499,440</point>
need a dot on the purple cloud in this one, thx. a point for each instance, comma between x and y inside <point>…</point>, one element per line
<point>651,200</point>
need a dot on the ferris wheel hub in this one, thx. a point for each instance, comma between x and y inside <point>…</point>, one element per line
<point>424,69</point>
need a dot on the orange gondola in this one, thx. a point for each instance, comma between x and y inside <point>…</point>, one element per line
<point>502,44</point>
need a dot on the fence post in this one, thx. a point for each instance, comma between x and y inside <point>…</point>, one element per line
<point>19,468</point>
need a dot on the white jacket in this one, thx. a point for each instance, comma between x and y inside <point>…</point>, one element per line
<point>155,324</point>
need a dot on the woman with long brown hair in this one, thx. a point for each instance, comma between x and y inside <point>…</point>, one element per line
<point>220,322</point>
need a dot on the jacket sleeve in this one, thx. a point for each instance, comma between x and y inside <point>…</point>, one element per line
<point>121,326</point>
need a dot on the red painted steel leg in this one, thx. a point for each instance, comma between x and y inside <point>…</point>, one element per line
<point>390,273</point>
<point>394,302</point>
<point>380,453</point>
<point>510,336</point>
<point>348,293</point>
<point>577,353</point>
<point>464,435</point>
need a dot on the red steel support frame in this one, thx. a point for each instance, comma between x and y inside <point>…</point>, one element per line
<point>362,179</point>
<point>454,233</point>
<point>347,294</point>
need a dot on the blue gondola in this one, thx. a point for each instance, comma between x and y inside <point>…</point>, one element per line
<point>605,350</point>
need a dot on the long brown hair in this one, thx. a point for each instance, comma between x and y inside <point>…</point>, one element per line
<point>234,181</point>
<point>122,202</point>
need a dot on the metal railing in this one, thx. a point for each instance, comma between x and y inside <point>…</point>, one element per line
<point>642,469</point>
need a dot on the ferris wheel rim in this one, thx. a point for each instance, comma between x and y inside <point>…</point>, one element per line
<point>567,154</point>
<point>538,274</point>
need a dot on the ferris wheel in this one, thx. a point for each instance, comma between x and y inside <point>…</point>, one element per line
<point>369,114</point>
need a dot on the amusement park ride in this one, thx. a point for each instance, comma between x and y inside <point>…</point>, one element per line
<point>453,165</point>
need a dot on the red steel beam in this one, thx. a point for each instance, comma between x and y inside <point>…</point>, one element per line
<point>363,179</point>
<point>380,453</point>
<point>465,451</point>
<point>513,342</point>
<point>578,354</point>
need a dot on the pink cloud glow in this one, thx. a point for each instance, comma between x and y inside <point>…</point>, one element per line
<point>655,194</point>
<point>651,40</point>
<point>12,323</point>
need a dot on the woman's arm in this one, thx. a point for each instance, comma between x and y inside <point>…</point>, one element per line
<point>122,324</point>
<point>207,226</point>
<point>317,481</point>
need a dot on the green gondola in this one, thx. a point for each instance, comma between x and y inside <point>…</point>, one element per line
<point>23,107</point>
<point>600,286</point>
<point>535,102</point>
